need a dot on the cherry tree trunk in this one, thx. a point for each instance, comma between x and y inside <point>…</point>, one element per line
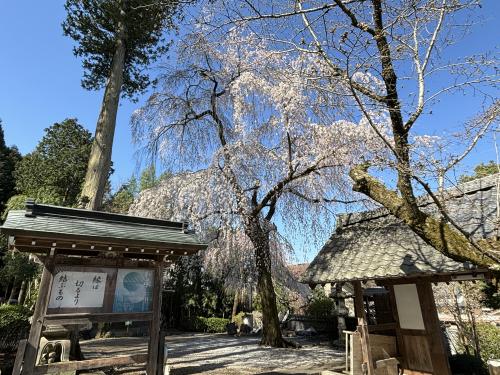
<point>236,303</point>
<point>100,155</point>
<point>434,231</point>
<point>271,332</point>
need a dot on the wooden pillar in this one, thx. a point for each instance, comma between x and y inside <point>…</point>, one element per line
<point>399,336</point>
<point>154,327</point>
<point>161,353</point>
<point>363,327</point>
<point>434,335</point>
<point>42,302</point>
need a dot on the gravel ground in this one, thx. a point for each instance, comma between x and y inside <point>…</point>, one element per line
<point>195,353</point>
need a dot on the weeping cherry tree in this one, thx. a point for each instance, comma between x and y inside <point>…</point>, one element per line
<point>268,149</point>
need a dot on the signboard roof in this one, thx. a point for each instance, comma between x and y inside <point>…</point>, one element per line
<point>70,224</point>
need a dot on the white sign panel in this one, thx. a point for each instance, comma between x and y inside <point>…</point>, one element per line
<point>408,304</point>
<point>72,289</point>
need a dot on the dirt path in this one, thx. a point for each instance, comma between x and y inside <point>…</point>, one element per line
<point>195,353</point>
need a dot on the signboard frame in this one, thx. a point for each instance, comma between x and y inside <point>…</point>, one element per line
<point>110,289</point>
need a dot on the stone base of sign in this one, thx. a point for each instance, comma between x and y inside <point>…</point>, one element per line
<point>51,351</point>
<point>494,366</point>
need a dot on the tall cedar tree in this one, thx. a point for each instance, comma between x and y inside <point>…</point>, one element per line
<point>54,171</point>
<point>9,157</point>
<point>116,40</point>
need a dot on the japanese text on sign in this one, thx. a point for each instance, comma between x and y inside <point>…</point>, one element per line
<point>72,289</point>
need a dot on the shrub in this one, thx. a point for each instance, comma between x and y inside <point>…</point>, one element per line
<point>489,341</point>
<point>320,306</point>
<point>238,318</point>
<point>14,326</point>
<point>12,314</point>
<point>216,325</point>
<point>466,364</point>
<point>202,324</point>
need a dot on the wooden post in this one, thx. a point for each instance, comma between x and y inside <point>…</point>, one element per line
<point>19,357</point>
<point>154,327</point>
<point>362,327</point>
<point>42,302</point>
<point>161,353</point>
<point>434,335</point>
<point>399,336</point>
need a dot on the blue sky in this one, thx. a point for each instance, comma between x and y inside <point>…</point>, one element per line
<point>40,82</point>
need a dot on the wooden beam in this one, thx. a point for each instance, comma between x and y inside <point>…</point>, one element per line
<point>37,320</point>
<point>381,327</point>
<point>118,262</point>
<point>433,278</point>
<point>30,244</point>
<point>413,332</point>
<point>437,350</point>
<point>88,364</point>
<point>99,261</point>
<point>363,327</point>
<point>98,240</point>
<point>98,317</point>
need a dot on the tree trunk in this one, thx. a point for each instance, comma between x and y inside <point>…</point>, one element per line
<point>22,293</point>
<point>236,302</point>
<point>12,295</point>
<point>271,332</point>
<point>100,155</point>
<point>434,231</point>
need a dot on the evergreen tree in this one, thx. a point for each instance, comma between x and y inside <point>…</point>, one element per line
<point>54,171</point>
<point>116,41</point>
<point>120,201</point>
<point>9,157</point>
<point>481,170</point>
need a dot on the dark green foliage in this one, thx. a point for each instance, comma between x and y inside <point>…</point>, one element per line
<point>121,201</point>
<point>148,178</point>
<point>16,268</point>
<point>209,325</point>
<point>93,25</point>
<point>9,157</point>
<point>14,326</point>
<point>13,314</point>
<point>481,170</point>
<point>55,170</point>
<point>194,293</point>
<point>320,306</point>
<point>489,341</point>
<point>491,295</point>
<point>466,364</point>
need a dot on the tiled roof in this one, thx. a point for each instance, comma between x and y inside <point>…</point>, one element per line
<point>70,222</point>
<point>375,244</point>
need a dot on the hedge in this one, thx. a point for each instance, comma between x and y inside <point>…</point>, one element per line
<point>14,326</point>
<point>202,324</point>
<point>489,341</point>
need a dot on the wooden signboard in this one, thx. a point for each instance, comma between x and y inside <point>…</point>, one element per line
<point>98,267</point>
<point>100,290</point>
<point>114,293</point>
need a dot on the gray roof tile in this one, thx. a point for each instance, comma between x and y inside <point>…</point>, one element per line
<point>375,244</point>
<point>82,223</point>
